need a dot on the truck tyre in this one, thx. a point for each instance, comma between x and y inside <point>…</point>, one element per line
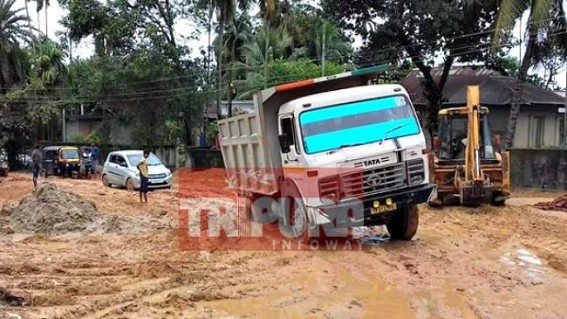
<point>298,224</point>
<point>403,224</point>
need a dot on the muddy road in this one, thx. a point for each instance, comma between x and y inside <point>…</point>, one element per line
<point>506,262</point>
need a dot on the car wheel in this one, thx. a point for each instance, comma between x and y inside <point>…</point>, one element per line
<point>130,184</point>
<point>105,181</point>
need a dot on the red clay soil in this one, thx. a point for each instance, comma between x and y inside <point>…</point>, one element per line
<point>209,183</point>
<point>559,203</point>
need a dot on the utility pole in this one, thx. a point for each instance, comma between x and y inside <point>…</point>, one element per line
<point>323,52</point>
<point>565,114</point>
<point>63,113</point>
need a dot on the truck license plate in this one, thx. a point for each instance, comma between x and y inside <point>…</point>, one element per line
<point>383,209</point>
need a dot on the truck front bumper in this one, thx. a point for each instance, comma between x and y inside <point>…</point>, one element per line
<point>357,211</point>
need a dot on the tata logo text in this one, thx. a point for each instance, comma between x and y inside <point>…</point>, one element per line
<point>372,162</point>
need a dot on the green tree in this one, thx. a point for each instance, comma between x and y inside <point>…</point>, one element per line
<point>265,48</point>
<point>546,39</point>
<point>327,44</point>
<point>47,68</point>
<point>418,31</point>
<point>14,29</point>
<point>285,71</point>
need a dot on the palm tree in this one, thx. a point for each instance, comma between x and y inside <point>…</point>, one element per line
<point>14,29</point>
<point>265,48</point>
<point>237,36</point>
<point>225,16</point>
<point>42,4</point>
<point>47,67</point>
<point>546,28</point>
<point>328,43</point>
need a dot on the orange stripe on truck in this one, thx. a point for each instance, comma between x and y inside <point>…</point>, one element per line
<point>294,85</point>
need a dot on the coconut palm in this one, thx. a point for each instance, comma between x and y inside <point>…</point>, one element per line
<point>14,29</point>
<point>265,47</point>
<point>546,28</point>
<point>328,44</point>
<point>42,4</point>
<point>225,10</point>
<point>236,37</point>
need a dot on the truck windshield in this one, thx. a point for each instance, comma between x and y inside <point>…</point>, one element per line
<point>356,123</point>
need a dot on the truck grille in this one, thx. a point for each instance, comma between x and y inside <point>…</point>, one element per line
<point>416,171</point>
<point>382,179</point>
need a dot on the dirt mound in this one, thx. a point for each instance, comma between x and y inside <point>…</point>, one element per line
<point>559,203</point>
<point>53,210</point>
<point>50,209</point>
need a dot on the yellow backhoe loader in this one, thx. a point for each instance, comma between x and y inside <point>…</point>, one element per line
<point>466,163</point>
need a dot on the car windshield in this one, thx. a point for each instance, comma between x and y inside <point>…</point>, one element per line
<point>357,123</point>
<point>136,158</point>
<point>69,154</point>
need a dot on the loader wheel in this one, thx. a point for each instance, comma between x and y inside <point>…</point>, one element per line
<point>403,224</point>
<point>498,199</point>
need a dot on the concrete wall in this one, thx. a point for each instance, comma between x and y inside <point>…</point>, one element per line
<point>120,133</point>
<point>202,158</point>
<point>499,120</point>
<point>546,169</point>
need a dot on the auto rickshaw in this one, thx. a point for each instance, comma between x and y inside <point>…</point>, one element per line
<point>61,161</point>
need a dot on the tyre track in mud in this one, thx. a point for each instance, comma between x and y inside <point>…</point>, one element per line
<point>464,263</point>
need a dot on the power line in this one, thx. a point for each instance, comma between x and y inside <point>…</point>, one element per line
<point>165,92</point>
<point>354,55</point>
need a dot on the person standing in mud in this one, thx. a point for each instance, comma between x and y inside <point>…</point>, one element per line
<point>36,164</point>
<point>95,153</point>
<point>143,168</point>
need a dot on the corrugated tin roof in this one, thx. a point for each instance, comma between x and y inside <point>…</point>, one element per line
<point>495,89</point>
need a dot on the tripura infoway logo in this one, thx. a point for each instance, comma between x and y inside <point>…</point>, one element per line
<point>225,225</point>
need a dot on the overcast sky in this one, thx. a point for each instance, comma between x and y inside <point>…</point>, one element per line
<point>85,48</point>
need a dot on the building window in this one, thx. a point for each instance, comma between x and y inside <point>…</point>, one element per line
<point>537,129</point>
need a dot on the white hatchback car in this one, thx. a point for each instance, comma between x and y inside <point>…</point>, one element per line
<point>120,170</point>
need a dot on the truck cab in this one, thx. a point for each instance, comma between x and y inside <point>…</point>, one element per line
<point>338,150</point>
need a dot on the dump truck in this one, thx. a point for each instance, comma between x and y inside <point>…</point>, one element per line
<point>467,164</point>
<point>336,150</point>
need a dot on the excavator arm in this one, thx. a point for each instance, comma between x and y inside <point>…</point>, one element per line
<point>471,185</point>
<point>472,160</point>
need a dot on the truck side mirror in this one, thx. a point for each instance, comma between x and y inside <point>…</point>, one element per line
<point>436,144</point>
<point>284,143</point>
<point>497,143</point>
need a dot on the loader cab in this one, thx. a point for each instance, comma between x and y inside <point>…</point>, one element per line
<point>451,138</point>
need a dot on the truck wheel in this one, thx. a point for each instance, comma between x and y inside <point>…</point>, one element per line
<point>298,224</point>
<point>403,224</point>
